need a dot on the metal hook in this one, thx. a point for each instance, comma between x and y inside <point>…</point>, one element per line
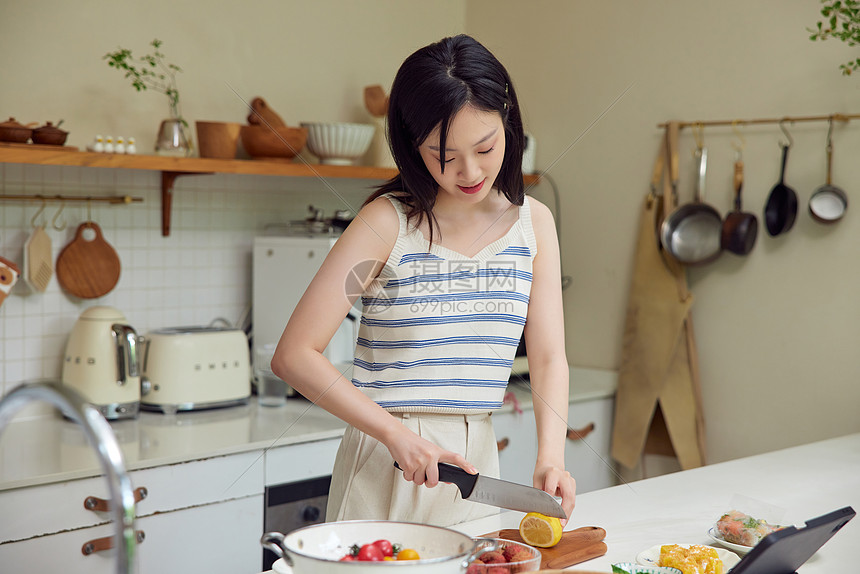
<point>787,135</point>
<point>830,134</point>
<point>54,223</point>
<point>38,213</point>
<point>741,143</point>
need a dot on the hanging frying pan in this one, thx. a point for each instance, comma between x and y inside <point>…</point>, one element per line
<point>828,203</point>
<point>780,211</point>
<point>740,228</point>
<point>692,233</point>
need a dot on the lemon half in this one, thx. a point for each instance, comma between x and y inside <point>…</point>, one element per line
<point>540,530</point>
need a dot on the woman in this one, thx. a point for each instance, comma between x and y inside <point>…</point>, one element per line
<point>453,265</point>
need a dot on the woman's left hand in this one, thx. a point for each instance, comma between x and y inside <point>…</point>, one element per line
<point>557,482</point>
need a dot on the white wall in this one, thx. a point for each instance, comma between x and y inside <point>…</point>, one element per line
<point>776,330</point>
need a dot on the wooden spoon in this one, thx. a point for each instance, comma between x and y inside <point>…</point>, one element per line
<point>376,101</point>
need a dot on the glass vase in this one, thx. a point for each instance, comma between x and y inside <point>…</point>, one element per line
<point>172,139</point>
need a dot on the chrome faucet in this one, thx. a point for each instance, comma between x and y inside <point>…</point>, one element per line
<point>102,439</point>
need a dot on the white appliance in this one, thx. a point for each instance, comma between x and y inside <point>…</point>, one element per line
<point>192,368</point>
<point>282,269</point>
<point>101,362</point>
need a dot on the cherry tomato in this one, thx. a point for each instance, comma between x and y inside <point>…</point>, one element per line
<point>370,553</point>
<point>347,558</point>
<point>385,547</point>
<point>407,554</point>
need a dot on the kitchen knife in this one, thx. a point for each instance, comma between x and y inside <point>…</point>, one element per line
<point>501,493</point>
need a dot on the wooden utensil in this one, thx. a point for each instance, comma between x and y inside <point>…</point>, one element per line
<point>38,260</point>
<point>574,547</point>
<point>376,101</point>
<point>88,268</point>
<point>264,115</point>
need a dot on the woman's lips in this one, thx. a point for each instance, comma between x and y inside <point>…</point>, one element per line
<point>473,189</point>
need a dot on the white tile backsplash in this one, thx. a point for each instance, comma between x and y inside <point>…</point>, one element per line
<point>202,271</point>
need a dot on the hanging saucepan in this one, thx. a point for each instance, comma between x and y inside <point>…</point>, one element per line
<point>828,203</point>
<point>692,233</point>
<point>780,211</point>
<point>740,228</point>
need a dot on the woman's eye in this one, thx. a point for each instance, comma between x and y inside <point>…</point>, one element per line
<point>486,152</point>
<point>447,160</point>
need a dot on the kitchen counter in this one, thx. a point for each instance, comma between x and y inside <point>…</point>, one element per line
<point>804,482</point>
<point>48,450</point>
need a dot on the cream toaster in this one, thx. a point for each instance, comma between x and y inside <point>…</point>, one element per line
<point>192,368</point>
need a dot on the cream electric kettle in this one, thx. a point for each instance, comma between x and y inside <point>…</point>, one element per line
<point>101,362</point>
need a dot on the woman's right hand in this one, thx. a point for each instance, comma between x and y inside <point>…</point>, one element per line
<point>420,458</point>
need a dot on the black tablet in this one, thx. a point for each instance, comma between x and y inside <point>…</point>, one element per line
<point>786,550</point>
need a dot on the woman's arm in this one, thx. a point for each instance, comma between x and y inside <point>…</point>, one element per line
<point>354,261</point>
<point>548,368</point>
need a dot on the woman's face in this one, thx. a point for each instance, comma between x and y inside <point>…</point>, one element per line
<point>474,152</point>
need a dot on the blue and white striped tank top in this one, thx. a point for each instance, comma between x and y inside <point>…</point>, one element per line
<point>439,330</point>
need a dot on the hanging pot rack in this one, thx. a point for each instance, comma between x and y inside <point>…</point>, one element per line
<point>757,121</point>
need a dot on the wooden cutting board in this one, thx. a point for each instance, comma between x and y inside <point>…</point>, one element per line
<point>88,268</point>
<point>574,547</point>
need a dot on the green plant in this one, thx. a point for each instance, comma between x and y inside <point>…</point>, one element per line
<point>150,72</point>
<point>841,21</point>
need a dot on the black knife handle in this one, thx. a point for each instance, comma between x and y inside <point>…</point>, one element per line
<point>455,475</point>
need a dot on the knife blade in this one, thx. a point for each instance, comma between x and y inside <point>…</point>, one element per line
<point>497,492</point>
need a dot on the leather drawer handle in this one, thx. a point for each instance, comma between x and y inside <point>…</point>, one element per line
<point>106,543</point>
<point>101,505</point>
<point>503,444</point>
<point>574,434</point>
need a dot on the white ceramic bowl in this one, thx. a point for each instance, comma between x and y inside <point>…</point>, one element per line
<point>338,143</point>
<point>317,549</point>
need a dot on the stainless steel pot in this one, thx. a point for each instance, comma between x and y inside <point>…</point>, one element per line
<point>692,233</point>
<point>317,549</point>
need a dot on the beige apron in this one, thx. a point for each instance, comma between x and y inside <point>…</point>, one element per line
<point>365,484</point>
<point>659,364</point>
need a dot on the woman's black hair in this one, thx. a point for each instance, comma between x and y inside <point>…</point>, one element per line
<point>431,86</point>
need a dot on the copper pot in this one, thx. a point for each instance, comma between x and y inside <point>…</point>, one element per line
<point>49,134</point>
<point>12,131</point>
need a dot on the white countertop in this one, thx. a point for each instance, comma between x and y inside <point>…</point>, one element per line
<point>51,449</point>
<point>805,482</point>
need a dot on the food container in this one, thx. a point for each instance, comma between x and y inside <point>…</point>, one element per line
<point>339,143</point>
<point>317,549</point>
<point>14,132</point>
<point>49,134</point>
<point>273,143</point>
<point>508,549</point>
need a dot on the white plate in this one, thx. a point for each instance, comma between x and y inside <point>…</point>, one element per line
<point>739,548</point>
<point>651,556</point>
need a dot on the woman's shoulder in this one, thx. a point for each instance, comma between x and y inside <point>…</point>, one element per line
<point>540,214</point>
<point>380,217</point>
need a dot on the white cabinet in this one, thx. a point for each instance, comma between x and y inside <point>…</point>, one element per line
<point>517,439</point>
<point>296,462</point>
<point>586,456</point>
<point>220,538</point>
<point>212,506</point>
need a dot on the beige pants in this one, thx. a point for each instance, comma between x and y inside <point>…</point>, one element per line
<point>366,485</point>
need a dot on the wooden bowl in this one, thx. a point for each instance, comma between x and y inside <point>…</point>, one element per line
<point>278,143</point>
<point>217,139</point>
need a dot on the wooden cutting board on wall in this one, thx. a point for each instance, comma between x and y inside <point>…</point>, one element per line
<point>574,547</point>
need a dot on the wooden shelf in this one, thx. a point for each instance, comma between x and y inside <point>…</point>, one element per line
<point>173,167</point>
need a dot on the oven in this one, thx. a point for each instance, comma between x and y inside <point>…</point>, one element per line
<point>293,505</point>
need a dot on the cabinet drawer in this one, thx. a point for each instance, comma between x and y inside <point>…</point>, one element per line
<point>51,508</point>
<point>215,538</point>
<point>300,461</point>
<point>587,458</point>
<point>517,438</point>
